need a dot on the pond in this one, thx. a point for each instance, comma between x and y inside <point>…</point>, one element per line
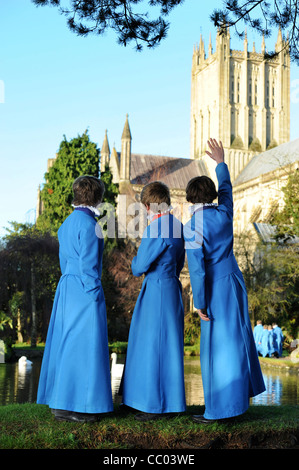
<point>282,385</point>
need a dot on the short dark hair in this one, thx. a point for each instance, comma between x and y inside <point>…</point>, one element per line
<point>201,189</point>
<point>155,193</point>
<point>88,190</point>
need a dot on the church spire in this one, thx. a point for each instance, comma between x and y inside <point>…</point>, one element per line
<point>126,132</point>
<point>210,46</point>
<point>125,156</point>
<point>105,153</point>
<point>245,41</point>
<point>279,42</point>
<point>263,44</point>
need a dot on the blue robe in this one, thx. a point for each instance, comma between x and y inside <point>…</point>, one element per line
<point>153,380</point>
<point>277,340</point>
<point>257,334</point>
<point>271,343</point>
<point>75,372</point>
<point>265,345</point>
<point>230,368</point>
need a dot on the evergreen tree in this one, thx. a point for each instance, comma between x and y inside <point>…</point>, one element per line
<point>111,189</point>
<point>77,157</point>
<point>86,17</point>
<point>262,16</point>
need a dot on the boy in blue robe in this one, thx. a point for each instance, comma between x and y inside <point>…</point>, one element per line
<point>257,334</point>
<point>75,375</point>
<point>271,341</point>
<point>265,346</point>
<point>230,368</point>
<point>277,340</point>
<point>153,380</point>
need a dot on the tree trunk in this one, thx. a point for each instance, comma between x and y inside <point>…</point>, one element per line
<point>33,307</point>
<point>19,327</point>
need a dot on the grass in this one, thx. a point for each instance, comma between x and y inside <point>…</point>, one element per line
<point>31,426</point>
<point>284,362</point>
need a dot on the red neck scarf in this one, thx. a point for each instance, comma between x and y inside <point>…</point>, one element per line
<point>157,216</point>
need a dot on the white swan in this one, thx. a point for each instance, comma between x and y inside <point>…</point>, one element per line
<point>24,363</point>
<point>116,369</point>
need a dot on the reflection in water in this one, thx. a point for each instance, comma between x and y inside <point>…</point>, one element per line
<point>20,386</point>
<point>193,382</point>
<point>281,388</point>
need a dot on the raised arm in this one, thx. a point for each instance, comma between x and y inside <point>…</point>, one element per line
<point>225,194</point>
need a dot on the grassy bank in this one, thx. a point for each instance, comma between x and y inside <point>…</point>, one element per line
<point>31,426</point>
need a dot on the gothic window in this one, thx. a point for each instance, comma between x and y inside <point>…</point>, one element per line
<point>250,93</point>
<point>238,88</point>
<point>267,94</point>
<point>233,90</point>
<point>273,102</point>
<point>255,92</point>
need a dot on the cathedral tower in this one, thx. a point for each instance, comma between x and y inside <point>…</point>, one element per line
<point>241,98</point>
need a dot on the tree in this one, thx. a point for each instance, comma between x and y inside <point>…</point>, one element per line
<point>111,189</point>
<point>29,260</point>
<point>262,16</point>
<point>121,288</point>
<point>77,157</point>
<point>287,221</point>
<point>271,274</point>
<point>96,16</point>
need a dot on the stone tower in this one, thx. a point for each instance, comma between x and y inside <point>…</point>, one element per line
<point>125,156</point>
<point>241,98</point>
<point>105,153</point>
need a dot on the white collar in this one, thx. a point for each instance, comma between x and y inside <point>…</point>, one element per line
<point>154,214</point>
<point>91,208</point>
<point>200,205</point>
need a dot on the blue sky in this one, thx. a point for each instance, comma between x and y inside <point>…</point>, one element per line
<point>57,84</point>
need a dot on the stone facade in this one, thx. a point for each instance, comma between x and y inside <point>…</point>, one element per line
<point>241,98</point>
<point>257,191</point>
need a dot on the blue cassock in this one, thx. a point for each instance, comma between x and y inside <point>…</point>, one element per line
<point>153,379</point>
<point>75,373</point>
<point>271,343</point>
<point>277,340</point>
<point>230,367</point>
<point>265,343</point>
<point>257,334</point>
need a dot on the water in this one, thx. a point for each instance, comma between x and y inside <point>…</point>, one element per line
<point>282,385</point>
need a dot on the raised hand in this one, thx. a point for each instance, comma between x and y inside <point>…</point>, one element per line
<point>217,152</point>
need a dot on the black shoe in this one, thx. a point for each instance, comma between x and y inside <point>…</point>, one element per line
<point>77,417</point>
<point>150,416</point>
<point>60,413</point>
<point>202,420</point>
<point>123,407</point>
